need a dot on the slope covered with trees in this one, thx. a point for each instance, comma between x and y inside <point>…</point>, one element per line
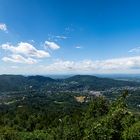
<point>63,118</point>
<point>10,83</point>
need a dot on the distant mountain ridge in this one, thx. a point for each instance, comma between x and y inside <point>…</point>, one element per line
<point>100,83</point>
<point>19,82</point>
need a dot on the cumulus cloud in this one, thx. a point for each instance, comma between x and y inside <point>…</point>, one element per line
<point>3,27</point>
<point>19,59</point>
<point>23,53</point>
<point>51,45</point>
<point>25,49</point>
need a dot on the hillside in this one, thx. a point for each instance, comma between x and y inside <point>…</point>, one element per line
<point>95,83</point>
<point>12,82</point>
<point>19,82</point>
<point>48,109</point>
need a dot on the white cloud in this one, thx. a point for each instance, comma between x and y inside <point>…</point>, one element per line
<point>32,41</point>
<point>56,37</point>
<point>3,27</point>
<point>78,47</point>
<point>19,59</point>
<point>51,45</point>
<point>25,49</point>
<point>117,65</point>
<point>69,29</point>
<point>135,50</point>
<point>61,37</point>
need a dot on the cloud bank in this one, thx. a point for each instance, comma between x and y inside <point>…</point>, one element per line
<point>90,66</point>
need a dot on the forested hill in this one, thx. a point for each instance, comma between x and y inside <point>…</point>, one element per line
<point>19,82</point>
<point>99,83</point>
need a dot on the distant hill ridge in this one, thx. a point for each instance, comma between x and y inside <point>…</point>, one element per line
<point>19,82</point>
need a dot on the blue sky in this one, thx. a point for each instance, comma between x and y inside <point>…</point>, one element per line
<point>69,36</point>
